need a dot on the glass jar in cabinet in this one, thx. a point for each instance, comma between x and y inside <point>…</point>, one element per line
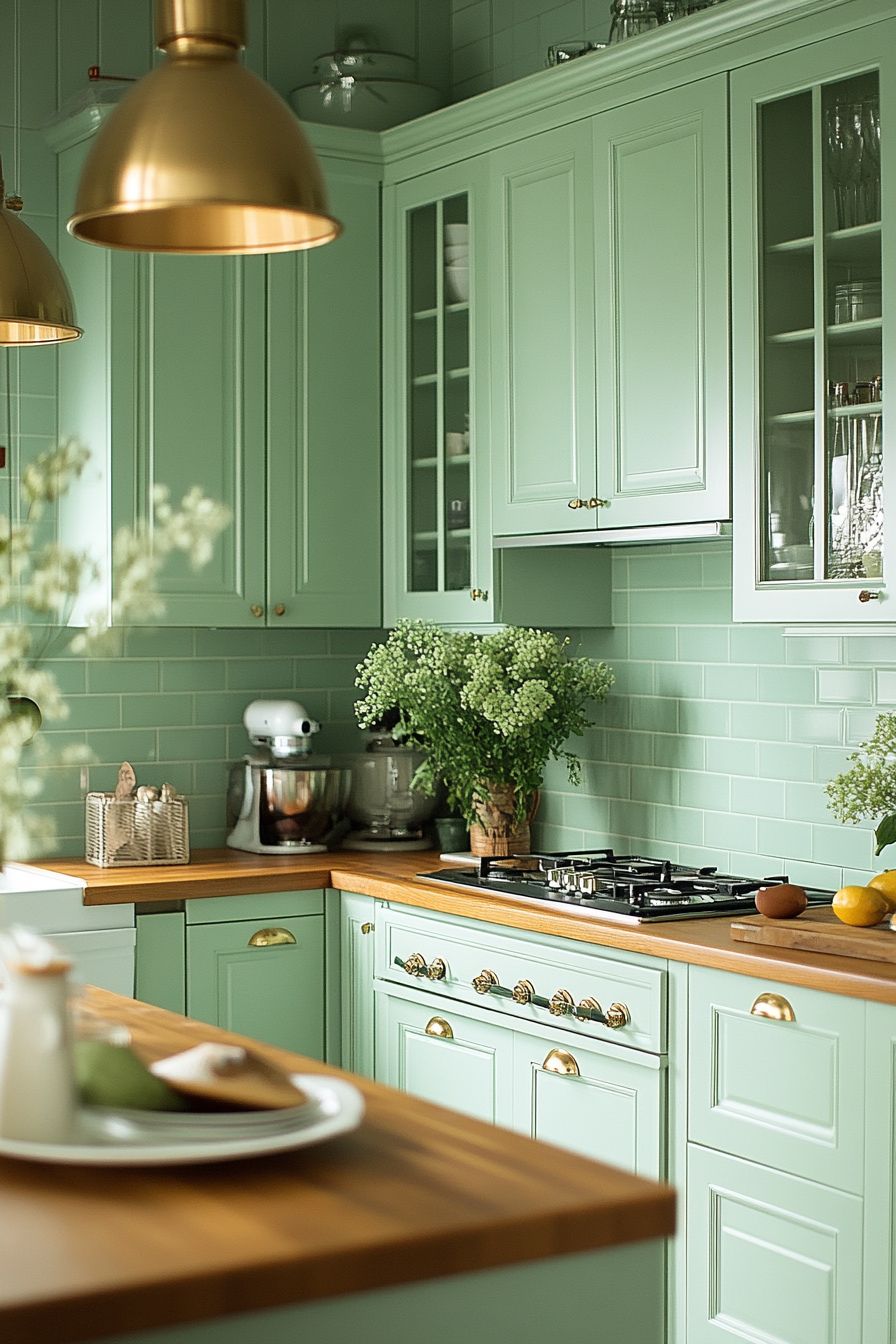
<point>811,174</point>
<point>437,544</point>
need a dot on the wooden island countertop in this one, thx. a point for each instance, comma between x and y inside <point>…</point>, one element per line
<point>392,877</point>
<point>416,1193</point>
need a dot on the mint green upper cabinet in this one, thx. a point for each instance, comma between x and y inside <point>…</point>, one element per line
<point>661,227</point>
<point>323,408</point>
<point>813,219</point>
<point>436,534</point>
<point>542,337</point>
<point>253,377</point>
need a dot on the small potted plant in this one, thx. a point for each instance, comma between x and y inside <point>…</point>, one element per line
<point>491,711</point>
<point>868,790</point>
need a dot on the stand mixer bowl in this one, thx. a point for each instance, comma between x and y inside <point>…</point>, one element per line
<point>382,802</point>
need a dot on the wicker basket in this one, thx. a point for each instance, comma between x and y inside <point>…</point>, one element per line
<point>125,833</point>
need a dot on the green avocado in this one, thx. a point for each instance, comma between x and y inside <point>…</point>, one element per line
<point>112,1075</point>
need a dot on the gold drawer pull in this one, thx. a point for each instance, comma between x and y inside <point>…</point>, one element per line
<point>367,928</point>
<point>437,1026</point>
<point>271,938</point>
<point>774,1006</point>
<point>560,1061</point>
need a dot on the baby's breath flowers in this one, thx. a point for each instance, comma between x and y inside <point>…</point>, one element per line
<point>38,589</point>
<point>488,708</point>
<point>869,788</point>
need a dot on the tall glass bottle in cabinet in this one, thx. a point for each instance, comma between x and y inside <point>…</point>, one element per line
<point>810,173</point>
<point>437,552</point>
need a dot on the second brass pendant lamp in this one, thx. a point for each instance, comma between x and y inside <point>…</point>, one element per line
<point>202,156</point>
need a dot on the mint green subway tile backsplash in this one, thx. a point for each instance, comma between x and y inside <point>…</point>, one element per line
<point>746,723</point>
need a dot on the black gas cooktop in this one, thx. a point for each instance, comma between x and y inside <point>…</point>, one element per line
<point>623,887</point>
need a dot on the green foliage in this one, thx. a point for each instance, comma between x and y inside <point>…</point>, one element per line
<point>869,788</point>
<point>487,707</point>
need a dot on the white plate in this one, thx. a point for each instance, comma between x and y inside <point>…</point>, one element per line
<point>124,1138</point>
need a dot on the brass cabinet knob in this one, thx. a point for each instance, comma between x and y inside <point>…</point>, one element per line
<point>593,503</point>
<point>869,595</point>
<point>483,982</point>
<point>367,928</point>
<point>523,992</point>
<point>279,610</point>
<point>256,610</point>
<point>436,969</point>
<point>437,1026</point>
<point>774,1006</point>
<point>415,964</point>
<point>562,1004</point>
<point>271,938</point>
<point>618,1016</point>
<point>479,594</point>
<point>561,1061</point>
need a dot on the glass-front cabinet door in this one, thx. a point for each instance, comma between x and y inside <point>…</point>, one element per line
<point>437,547</point>
<point>812,144</point>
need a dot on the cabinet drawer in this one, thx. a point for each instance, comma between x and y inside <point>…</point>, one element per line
<point>787,1094</point>
<point>468,1070</point>
<point>770,1256</point>
<point>608,1106</point>
<point>466,950</point>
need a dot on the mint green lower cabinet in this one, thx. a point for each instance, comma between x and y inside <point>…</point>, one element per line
<point>770,1257</point>
<point>445,1056</point>
<point>787,1094</point>
<point>356,946</point>
<point>161,973</point>
<point>612,1110</point>
<point>275,992</point>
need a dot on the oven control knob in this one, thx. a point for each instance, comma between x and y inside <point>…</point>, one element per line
<point>562,1003</point>
<point>483,982</point>
<point>415,964</point>
<point>523,992</point>
<point>436,969</point>
<point>618,1015</point>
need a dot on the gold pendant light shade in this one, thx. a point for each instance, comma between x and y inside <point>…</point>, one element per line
<point>36,306</point>
<point>202,156</point>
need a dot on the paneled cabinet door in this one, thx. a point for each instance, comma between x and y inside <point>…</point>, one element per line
<point>445,1056</point>
<point>323,416</point>
<point>602,1105</point>
<point>356,946</point>
<point>272,991</point>
<point>813,213</point>
<point>165,387</point>
<point>661,232</point>
<point>542,337</point>
<point>770,1256</point>
<point>437,560</point>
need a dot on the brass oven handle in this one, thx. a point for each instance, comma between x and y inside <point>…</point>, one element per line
<point>271,938</point>
<point>486,982</point>
<point>415,964</point>
<point>561,1061</point>
<point>562,1004</point>
<point>523,992</point>
<point>436,969</point>
<point>774,1006</point>
<point>437,1026</point>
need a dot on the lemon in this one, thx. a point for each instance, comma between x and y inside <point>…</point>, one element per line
<point>861,905</point>
<point>885,883</point>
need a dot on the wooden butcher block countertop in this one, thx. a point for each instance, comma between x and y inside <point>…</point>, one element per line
<point>415,1193</point>
<point>392,877</point>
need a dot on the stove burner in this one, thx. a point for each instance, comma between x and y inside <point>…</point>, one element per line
<point>629,887</point>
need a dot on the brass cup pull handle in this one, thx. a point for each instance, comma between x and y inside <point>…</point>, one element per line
<point>561,1061</point>
<point>415,964</point>
<point>271,938</point>
<point>437,1026</point>
<point>774,1006</point>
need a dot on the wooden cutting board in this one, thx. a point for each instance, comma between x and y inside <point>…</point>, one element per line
<point>818,931</point>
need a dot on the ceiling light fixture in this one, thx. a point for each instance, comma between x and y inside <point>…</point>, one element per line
<point>202,156</point>
<point>36,306</point>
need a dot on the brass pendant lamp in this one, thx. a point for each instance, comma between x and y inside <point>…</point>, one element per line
<point>36,306</point>
<point>202,156</point>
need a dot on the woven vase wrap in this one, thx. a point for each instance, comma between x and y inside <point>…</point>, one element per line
<point>125,833</point>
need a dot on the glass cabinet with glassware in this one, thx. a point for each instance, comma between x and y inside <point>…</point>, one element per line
<point>812,171</point>
<point>436,541</point>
